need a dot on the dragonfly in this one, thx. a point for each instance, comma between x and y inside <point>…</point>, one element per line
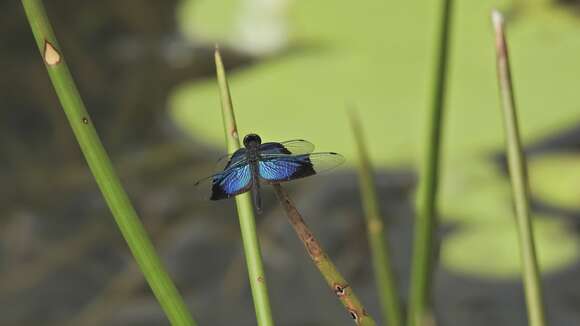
<point>268,163</point>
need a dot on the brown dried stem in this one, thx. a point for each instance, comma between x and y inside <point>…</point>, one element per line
<point>332,276</point>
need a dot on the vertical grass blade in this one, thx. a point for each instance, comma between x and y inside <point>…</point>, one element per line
<point>424,247</point>
<point>333,278</point>
<point>518,174</point>
<point>245,207</point>
<point>388,294</point>
<point>131,227</point>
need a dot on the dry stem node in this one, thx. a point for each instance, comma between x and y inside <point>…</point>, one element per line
<point>353,315</point>
<point>51,55</point>
<point>376,226</point>
<point>498,25</point>
<point>340,290</point>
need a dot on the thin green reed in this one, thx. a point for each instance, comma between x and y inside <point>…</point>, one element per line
<point>519,179</point>
<point>384,275</point>
<point>125,216</point>
<point>425,246</point>
<point>245,207</point>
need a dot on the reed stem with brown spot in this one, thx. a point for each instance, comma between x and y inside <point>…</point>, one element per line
<point>333,278</point>
<point>101,167</point>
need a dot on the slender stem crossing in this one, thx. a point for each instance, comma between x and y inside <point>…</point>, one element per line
<point>245,209</point>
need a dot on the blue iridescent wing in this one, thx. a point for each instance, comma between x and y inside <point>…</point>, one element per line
<point>235,180</point>
<point>279,167</point>
<point>226,161</point>
<point>229,179</point>
<point>296,147</point>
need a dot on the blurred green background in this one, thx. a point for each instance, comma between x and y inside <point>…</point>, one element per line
<point>375,56</point>
<point>145,70</point>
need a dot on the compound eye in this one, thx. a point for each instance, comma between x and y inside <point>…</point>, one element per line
<point>252,139</point>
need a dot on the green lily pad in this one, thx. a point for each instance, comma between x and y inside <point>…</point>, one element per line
<point>474,191</point>
<point>555,179</point>
<point>491,249</point>
<point>376,56</point>
<point>194,20</point>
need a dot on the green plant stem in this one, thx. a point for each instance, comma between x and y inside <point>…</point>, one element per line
<point>385,278</point>
<point>333,278</point>
<point>424,247</point>
<point>518,174</point>
<point>245,208</point>
<point>131,227</point>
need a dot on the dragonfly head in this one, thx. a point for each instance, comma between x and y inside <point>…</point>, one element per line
<point>252,140</point>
